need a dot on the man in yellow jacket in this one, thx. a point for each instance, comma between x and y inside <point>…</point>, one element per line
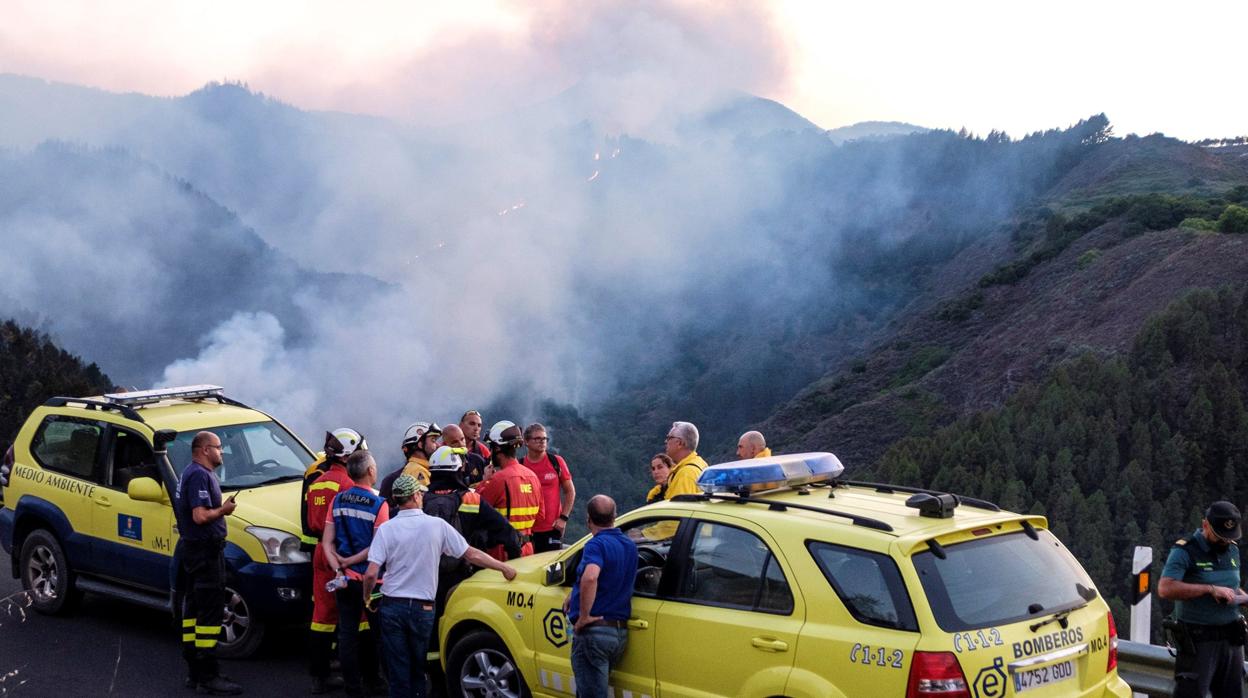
<point>682,447</point>
<point>752,445</point>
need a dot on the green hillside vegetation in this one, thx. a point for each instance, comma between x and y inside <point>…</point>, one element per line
<point>1115,451</point>
<point>1046,234</point>
<point>33,369</point>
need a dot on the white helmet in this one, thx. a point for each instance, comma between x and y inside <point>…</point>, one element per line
<point>505,432</point>
<point>418,430</point>
<point>342,442</point>
<point>447,458</point>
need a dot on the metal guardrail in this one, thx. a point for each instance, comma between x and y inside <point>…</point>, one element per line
<point>1147,669</point>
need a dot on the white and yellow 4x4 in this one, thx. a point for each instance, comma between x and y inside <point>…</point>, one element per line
<point>87,504</point>
<point>783,580</point>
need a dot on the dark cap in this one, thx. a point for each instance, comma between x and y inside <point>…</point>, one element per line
<point>1223,518</point>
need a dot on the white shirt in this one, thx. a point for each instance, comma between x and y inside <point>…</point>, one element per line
<point>410,546</point>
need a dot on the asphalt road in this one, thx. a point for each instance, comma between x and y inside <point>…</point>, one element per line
<point>110,647</point>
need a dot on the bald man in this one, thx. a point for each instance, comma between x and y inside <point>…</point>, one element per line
<point>752,445</point>
<point>601,600</point>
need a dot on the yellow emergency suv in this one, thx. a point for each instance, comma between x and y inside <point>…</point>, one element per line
<point>87,504</point>
<point>782,579</point>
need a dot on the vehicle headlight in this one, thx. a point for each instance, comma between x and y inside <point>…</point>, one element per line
<point>282,548</point>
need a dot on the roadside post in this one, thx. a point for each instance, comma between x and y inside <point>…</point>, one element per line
<point>1141,598</point>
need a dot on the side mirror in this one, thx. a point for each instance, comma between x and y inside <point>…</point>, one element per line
<point>161,439</point>
<point>145,489</point>
<point>554,574</point>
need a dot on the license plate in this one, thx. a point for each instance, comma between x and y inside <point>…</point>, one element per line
<point>1028,679</point>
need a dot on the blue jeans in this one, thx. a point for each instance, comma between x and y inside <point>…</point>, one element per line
<point>405,629</point>
<point>594,651</point>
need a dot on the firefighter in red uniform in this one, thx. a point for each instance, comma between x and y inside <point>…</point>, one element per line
<point>513,489</point>
<point>339,444</point>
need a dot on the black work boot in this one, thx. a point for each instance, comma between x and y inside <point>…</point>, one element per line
<point>218,686</point>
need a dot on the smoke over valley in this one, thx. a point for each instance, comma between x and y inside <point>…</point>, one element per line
<point>645,245</point>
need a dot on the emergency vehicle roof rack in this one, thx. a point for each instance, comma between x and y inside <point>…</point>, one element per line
<point>125,410</point>
<point>185,392</point>
<point>889,489</point>
<point>782,506</point>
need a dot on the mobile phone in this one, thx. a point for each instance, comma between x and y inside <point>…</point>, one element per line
<point>233,496</point>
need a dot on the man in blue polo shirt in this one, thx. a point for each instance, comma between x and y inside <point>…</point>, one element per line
<point>200,514</point>
<point>601,600</point>
<point>1202,577</point>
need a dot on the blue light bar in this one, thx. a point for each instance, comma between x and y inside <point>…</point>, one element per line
<point>760,474</point>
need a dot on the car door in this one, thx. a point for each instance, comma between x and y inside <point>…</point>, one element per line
<point>635,674</point>
<point>133,537</point>
<point>69,451</point>
<point>731,624</point>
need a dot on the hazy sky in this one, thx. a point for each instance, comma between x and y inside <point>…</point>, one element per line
<point>1017,66</point>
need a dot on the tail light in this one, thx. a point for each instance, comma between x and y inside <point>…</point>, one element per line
<point>936,674</point>
<point>1112,663</point>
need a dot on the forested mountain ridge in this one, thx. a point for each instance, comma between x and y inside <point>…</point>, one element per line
<point>1116,450</point>
<point>1069,275</point>
<point>32,369</point>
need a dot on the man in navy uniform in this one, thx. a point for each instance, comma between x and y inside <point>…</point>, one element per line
<point>1202,577</point>
<point>201,525</point>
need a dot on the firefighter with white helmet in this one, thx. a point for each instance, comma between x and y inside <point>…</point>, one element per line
<point>513,489</point>
<point>318,500</point>
<point>420,440</point>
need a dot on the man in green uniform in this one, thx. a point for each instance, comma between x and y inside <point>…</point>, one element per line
<point>1202,577</point>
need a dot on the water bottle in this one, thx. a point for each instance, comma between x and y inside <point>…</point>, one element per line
<point>339,582</point>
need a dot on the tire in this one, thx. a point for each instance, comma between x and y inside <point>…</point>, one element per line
<point>241,632</point>
<point>479,665</point>
<point>46,574</point>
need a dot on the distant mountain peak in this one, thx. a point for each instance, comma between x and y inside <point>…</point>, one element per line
<point>873,131</point>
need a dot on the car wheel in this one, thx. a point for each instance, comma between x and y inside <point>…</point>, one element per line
<point>46,574</point>
<point>241,631</point>
<point>480,665</point>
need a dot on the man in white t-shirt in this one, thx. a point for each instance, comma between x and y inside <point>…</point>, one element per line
<point>410,545</point>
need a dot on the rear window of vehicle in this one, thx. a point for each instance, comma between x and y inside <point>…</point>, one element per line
<point>868,583</point>
<point>1001,580</point>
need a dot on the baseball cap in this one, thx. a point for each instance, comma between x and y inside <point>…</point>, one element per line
<point>1224,518</point>
<point>407,485</point>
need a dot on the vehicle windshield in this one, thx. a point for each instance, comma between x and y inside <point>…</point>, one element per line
<point>1001,580</point>
<point>252,455</point>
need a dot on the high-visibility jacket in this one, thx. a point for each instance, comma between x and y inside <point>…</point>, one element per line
<point>684,476</point>
<point>307,538</point>
<point>321,497</point>
<point>356,512</point>
<point>418,467</point>
<point>765,453</point>
<point>516,493</point>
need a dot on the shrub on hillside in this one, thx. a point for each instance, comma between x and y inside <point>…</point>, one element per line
<point>1233,220</point>
<point>1088,258</point>
<point>1195,223</point>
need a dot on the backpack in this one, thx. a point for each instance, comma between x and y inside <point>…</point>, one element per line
<point>445,506</point>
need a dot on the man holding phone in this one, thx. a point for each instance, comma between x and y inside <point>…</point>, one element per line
<point>201,523</point>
